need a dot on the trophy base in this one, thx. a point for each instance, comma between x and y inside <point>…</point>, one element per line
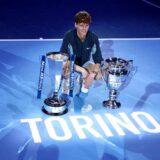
<point>111,104</point>
<point>54,107</point>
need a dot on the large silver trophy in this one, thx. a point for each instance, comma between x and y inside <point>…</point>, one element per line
<point>55,105</point>
<point>117,73</point>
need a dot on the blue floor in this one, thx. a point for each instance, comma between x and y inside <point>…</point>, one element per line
<point>131,132</point>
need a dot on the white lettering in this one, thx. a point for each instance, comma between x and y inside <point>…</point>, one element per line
<point>33,128</point>
<point>58,128</point>
<point>125,123</point>
<point>156,125</point>
<point>87,126</point>
<point>103,125</point>
<point>53,131</point>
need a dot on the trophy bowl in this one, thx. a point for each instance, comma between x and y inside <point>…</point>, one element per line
<point>55,105</point>
<point>116,72</point>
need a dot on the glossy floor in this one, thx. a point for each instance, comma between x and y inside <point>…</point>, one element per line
<point>96,133</point>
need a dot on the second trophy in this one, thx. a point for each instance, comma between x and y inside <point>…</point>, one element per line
<point>55,105</point>
<point>117,73</point>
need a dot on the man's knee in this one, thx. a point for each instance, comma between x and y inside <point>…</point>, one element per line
<point>90,68</point>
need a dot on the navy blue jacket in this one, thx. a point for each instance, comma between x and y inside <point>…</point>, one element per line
<point>85,51</point>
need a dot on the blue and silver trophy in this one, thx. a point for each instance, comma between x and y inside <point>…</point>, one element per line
<point>55,105</point>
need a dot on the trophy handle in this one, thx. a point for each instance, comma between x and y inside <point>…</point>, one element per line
<point>133,70</point>
<point>72,60</point>
<point>101,69</point>
<point>41,76</point>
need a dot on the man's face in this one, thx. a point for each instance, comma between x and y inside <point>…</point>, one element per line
<point>82,29</point>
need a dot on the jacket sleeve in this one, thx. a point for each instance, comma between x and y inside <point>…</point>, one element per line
<point>64,45</point>
<point>97,56</point>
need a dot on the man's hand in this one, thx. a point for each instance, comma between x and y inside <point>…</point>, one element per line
<point>84,73</point>
<point>81,70</point>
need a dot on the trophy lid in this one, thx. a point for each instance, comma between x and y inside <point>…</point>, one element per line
<point>117,66</point>
<point>116,62</point>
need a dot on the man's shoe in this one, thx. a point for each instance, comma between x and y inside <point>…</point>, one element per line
<point>86,108</point>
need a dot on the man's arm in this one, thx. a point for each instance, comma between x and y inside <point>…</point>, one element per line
<point>66,70</point>
<point>64,45</point>
<point>97,55</point>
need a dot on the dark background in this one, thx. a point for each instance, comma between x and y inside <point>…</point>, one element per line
<point>25,19</point>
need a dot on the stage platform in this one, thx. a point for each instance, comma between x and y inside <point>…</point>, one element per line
<point>131,132</point>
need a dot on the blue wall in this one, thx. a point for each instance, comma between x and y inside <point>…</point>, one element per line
<point>50,19</point>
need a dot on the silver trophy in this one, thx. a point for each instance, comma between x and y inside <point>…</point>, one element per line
<point>55,105</point>
<point>117,73</point>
